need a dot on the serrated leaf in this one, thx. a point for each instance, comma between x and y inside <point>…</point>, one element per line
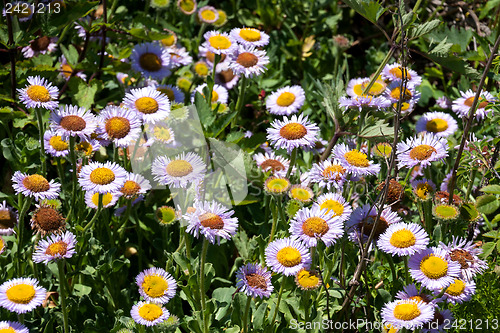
<point>488,249</point>
<point>487,204</point>
<point>494,189</point>
<point>492,234</point>
<point>423,29</point>
<point>442,48</point>
<point>371,10</point>
<point>378,129</point>
<point>85,94</point>
<point>70,53</point>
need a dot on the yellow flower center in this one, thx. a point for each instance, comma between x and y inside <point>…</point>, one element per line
<point>7,330</point>
<point>150,62</point>
<point>38,93</point>
<point>402,239</point>
<point>222,18</point>
<point>117,127</point>
<point>57,248</point>
<point>102,176</point>
<point>278,185</point>
<point>332,206</point>
<point>376,89</point>
<point>154,286</point>
<point>307,279</point>
<point>456,288</point>
<point>482,102</point>
<point>250,35</point>
<point>130,188</point>
<point>85,147</point>
<point>436,125</point>
<point>168,92</point>
<point>289,256</point>
<point>446,211</point>
<point>301,194</point>
<point>57,143</point>
<point>406,311</point>
<point>73,123</point>
<point>334,171</point>
<point>357,158</point>
<point>396,92</point>
<point>422,191</point>
<point>150,312</point>
<point>293,131</point>
<point>398,72</point>
<point>274,165</point>
<point>315,226</point>
<point>434,267</point>
<point>146,105</point>
<point>208,15</point>
<point>21,293</point>
<point>36,183</point>
<point>247,60</point>
<point>169,41</point>
<point>179,168</point>
<point>106,199</point>
<point>201,69</point>
<point>422,152</point>
<point>211,220</point>
<point>215,96</point>
<point>219,42</point>
<point>187,5</point>
<point>383,149</point>
<point>285,99</point>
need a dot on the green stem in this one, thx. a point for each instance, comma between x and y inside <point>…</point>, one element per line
<point>245,317</point>
<point>96,215</point>
<point>278,302</point>
<point>427,206</point>
<point>391,265</point>
<point>281,212</point>
<point>41,130</point>
<point>407,277</point>
<point>379,70</point>
<point>20,234</point>
<point>407,177</point>
<point>202,284</point>
<point>72,157</point>
<point>473,174</point>
<point>292,163</point>
<point>362,117</point>
<point>275,222</point>
<point>62,292</point>
<point>241,96</point>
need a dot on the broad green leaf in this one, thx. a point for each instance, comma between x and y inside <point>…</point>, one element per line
<point>423,29</point>
<point>492,234</point>
<point>378,129</point>
<point>370,10</point>
<point>488,249</point>
<point>442,48</point>
<point>494,189</point>
<point>81,290</point>
<point>469,212</point>
<point>487,204</point>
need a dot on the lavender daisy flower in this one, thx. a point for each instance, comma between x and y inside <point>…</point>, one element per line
<point>254,280</point>
<point>394,72</point>
<point>219,93</point>
<point>250,37</point>
<point>149,104</point>
<point>311,224</point>
<point>55,247</point>
<point>403,239</point>
<point>356,86</point>
<point>459,291</point>
<point>362,220</point>
<point>393,93</point>
<point>329,174</point>
<point>156,285</point>
<point>102,177</point>
<point>286,101</point>
<point>55,145</point>
<point>407,313</point>
<point>440,322</point>
<point>361,102</point>
<point>108,199</point>
<point>411,292</point>
<point>287,256</point>
<point>248,61</point>
<point>40,45</point>
<point>270,162</point>
<point>296,132</point>
<point>443,102</point>
<point>421,151</point>
<point>354,161</point>
<point>12,327</point>
<point>462,105</point>
<point>40,93</point>
<point>336,205</point>
<point>135,184</point>
<point>35,186</point>
<point>431,268</point>
<point>151,59</point>
<point>220,42</point>
<point>119,125</point>
<point>179,171</point>
<point>438,123</point>
<point>466,254</point>
<point>212,220</point>
<point>72,121</point>
<point>21,295</point>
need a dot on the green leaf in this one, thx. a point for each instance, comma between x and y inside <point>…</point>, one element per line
<point>469,212</point>
<point>487,204</point>
<point>259,316</point>
<point>494,189</point>
<point>492,234</point>
<point>370,10</point>
<point>81,290</point>
<point>377,129</point>
<point>70,53</point>
<point>205,112</point>
<point>442,48</point>
<point>85,94</point>
<point>9,113</point>
<point>488,249</point>
<point>423,29</point>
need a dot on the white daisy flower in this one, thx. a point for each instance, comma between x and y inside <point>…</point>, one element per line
<point>220,42</point>
<point>179,57</point>
<point>66,70</point>
<point>407,313</point>
<point>356,86</point>
<point>55,145</point>
<point>311,224</point>
<point>212,220</point>
<point>361,102</point>
<point>102,177</point>
<point>296,132</point>
<point>156,285</point>
<point>431,268</point>
<point>225,76</point>
<point>459,291</point>
<point>250,37</point>
<point>335,204</point>
<point>21,295</point>
<point>119,125</point>
<point>248,61</point>
<point>354,161</point>
<point>421,151</point>
<point>287,256</point>
<point>108,199</point>
<point>269,161</point>
<point>394,72</point>
<point>286,101</point>
<point>151,59</point>
<point>13,327</point>
<point>393,93</point>
<point>462,105</point>
<point>72,120</point>
<point>329,174</point>
<point>149,314</point>
<point>439,123</point>
<point>135,184</point>
<point>411,292</point>
<point>35,186</point>
<point>179,171</point>
<point>55,247</point>
<point>219,93</point>
<point>40,93</point>
<point>403,239</point>
<point>465,253</point>
<point>149,104</point>
<point>160,133</point>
